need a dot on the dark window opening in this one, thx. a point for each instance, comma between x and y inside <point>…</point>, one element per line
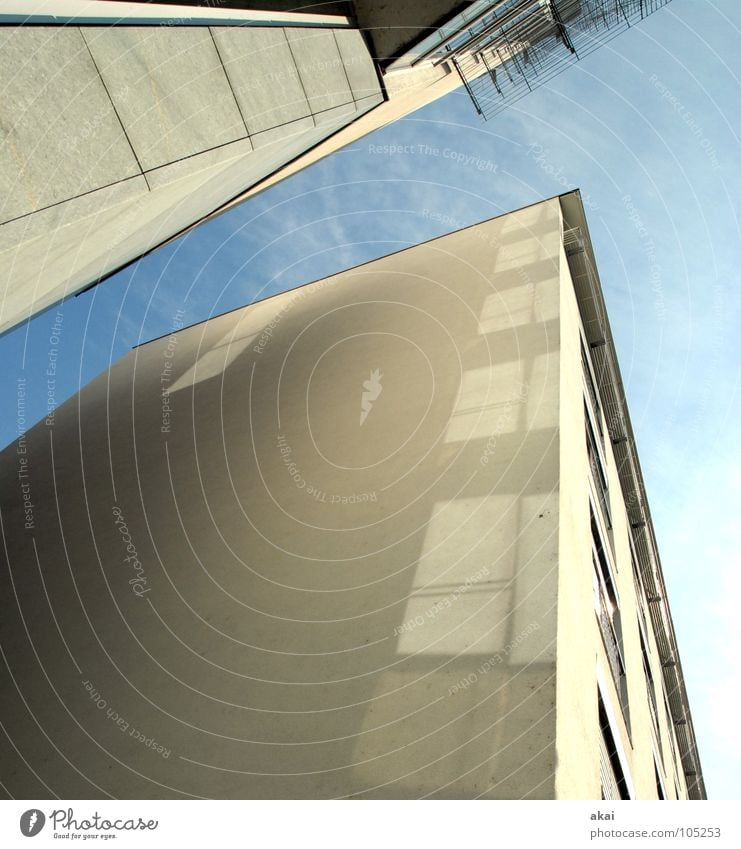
<point>598,473</point>
<point>607,609</point>
<point>659,784</point>
<point>651,687</point>
<point>592,392</point>
<point>614,785</point>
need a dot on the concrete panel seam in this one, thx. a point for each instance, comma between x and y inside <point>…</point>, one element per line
<point>300,78</point>
<point>74,197</point>
<point>342,62</point>
<point>229,81</point>
<point>115,111</point>
<point>167,164</point>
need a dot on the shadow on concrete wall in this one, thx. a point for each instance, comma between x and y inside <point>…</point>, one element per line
<point>328,569</point>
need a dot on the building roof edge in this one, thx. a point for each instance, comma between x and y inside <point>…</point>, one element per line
<point>612,393</point>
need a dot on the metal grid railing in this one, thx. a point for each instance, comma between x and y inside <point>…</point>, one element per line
<point>522,44</point>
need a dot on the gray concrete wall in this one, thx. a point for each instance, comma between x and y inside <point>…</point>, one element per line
<point>326,595</point>
<point>115,139</point>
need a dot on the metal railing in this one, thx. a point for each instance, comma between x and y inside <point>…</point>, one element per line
<point>520,44</point>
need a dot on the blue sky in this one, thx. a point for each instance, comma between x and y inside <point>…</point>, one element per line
<point>648,127</point>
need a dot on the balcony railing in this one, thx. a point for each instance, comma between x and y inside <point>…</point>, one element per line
<point>514,46</point>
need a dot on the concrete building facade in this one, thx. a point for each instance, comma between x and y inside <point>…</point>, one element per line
<point>123,124</point>
<point>382,536</point>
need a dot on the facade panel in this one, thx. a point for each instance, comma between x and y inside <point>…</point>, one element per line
<point>159,127</point>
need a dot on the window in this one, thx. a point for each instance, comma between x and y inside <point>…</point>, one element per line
<point>596,465</point>
<point>592,394</point>
<point>676,763</point>
<point>651,688</point>
<point>614,785</point>
<point>607,609</point>
<point>660,793</point>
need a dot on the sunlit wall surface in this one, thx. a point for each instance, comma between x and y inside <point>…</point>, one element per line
<point>334,544</point>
